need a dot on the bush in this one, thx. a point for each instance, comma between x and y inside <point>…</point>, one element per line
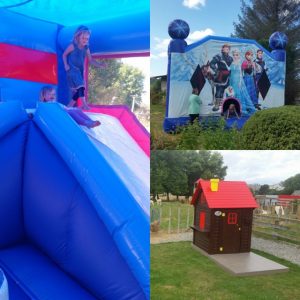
<point>210,135</point>
<point>274,128</point>
<point>217,136</point>
<point>190,138</point>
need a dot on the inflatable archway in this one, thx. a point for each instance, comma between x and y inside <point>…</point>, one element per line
<point>74,203</point>
<point>221,68</point>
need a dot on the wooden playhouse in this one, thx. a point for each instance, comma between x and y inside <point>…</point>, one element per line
<point>223,212</point>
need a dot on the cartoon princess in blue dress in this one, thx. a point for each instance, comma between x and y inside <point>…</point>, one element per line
<point>238,85</point>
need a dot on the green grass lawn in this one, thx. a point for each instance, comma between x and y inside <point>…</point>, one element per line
<point>179,272</point>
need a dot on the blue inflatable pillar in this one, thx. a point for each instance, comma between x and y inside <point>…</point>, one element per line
<point>178,30</point>
<point>277,43</point>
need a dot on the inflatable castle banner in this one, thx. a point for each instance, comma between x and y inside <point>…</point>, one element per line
<point>222,68</point>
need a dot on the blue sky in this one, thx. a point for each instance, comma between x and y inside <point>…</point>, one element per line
<point>205,17</point>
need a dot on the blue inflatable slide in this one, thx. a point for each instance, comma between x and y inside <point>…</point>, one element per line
<point>74,211</point>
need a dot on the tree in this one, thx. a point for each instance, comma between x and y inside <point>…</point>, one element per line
<point>176,181</point>
<point>158,173</point>
<point>203,164</point>
<point>264,189</point>
<point>130,84</point>
<point>260,18</point>
<point>176,171</point>
<point>118,83</point>
<point>101,87</point>
<point>291,184</point>
<point>156,93</point>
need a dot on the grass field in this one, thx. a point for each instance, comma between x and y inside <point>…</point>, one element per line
<point>179,272</point>
<point>160,139</point>
<point>171,212</point>
<point>157,116</point>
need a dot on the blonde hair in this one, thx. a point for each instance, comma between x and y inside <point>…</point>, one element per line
<point>79,31</point>
<point>44,90</point>
<point>235,51</point>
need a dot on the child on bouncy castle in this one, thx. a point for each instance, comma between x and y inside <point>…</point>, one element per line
<point>73,58</point>
<point>48,94</point>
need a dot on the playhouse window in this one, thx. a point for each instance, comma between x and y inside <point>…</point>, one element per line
<point>232,218</point>
<point>202,220</point>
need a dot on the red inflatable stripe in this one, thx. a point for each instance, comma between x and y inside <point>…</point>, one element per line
<point>27,64</point>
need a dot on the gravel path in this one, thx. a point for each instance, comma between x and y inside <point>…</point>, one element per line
<point>280,249</point>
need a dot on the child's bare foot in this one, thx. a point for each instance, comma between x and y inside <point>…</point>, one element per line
<point>94,124</point>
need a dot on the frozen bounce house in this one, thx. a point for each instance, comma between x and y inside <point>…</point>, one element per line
<point>226,72</point>
<point>74,202</point>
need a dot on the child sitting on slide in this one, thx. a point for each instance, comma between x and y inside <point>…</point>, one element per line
<point>231,112</point>
<point>48,94</point>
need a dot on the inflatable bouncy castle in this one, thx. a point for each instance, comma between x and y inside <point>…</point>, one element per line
<point>74,202</point>
<point>222,68</point>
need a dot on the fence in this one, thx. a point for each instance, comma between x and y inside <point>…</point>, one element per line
<point>175,217</point>
<point>172,217</point>
<point>287,229</point>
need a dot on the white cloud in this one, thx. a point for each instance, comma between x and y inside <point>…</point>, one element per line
<point>263,167</point>
<point>161,44</point>
<point>159,48</point>
<point>194,4</point>
<point>198,35</point>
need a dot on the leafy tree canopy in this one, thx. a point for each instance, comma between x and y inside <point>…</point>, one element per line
<point>176,171</point>
<point>118,83</point>
<point>291,184</point>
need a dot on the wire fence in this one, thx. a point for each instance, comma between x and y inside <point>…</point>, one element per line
<point>172,218</point>
<point>176,217</point>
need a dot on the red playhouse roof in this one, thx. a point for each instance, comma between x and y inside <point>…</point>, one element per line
<point>289,197</point>
<point>230,194</point>
<point>284,200</point>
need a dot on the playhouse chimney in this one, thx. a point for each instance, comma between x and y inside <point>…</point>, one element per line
<point>214,184</point>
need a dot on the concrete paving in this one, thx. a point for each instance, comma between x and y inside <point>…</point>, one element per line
<point>245,264</point>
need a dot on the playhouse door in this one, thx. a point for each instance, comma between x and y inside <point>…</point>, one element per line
<point>231,233</point>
